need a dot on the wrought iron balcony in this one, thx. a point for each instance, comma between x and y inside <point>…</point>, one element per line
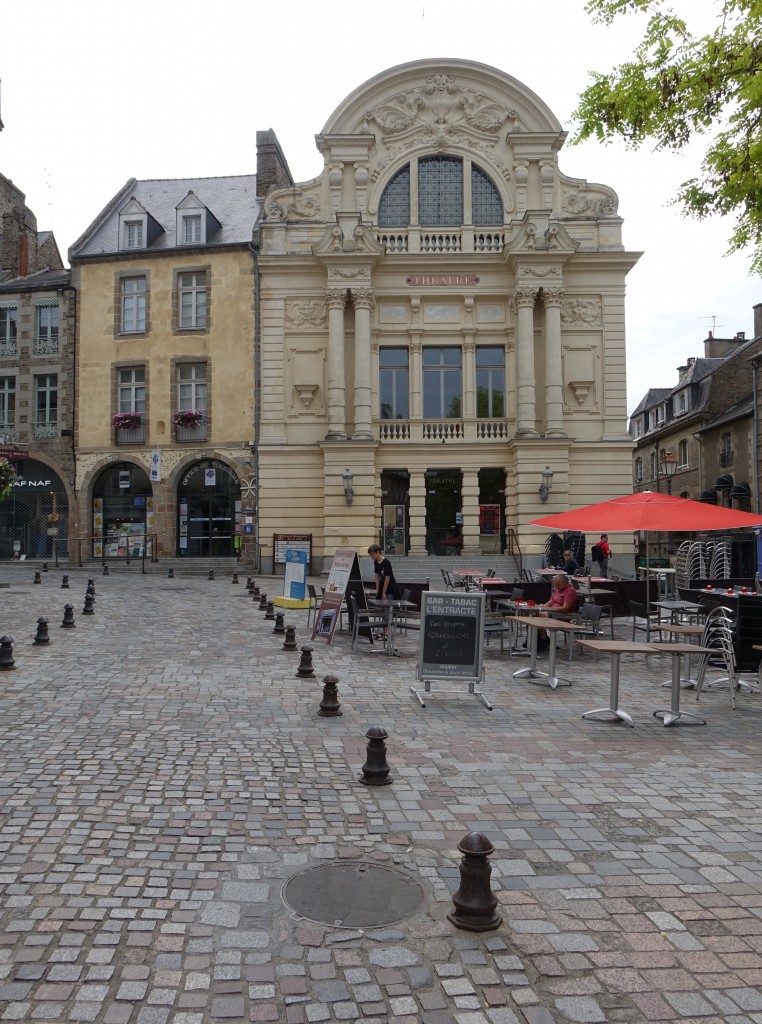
<point>131,435</point>
<point>45,346</point>
<point>192,432</point>
<point>8,348</point>
<point>44,431</point>
<point>726,457</point>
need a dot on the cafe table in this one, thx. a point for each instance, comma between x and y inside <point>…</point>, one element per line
<point>677,608</point>
<point>516,612</point>
<point>616,648</point>
<point>470,575</point>
<point>534,624</point>
<point>390,606</point>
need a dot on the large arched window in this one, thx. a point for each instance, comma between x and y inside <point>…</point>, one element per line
<point>443,195</point>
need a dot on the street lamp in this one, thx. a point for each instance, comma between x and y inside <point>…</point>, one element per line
<point>547,483</point>
<point>668,467</point>
<point>347,477</point>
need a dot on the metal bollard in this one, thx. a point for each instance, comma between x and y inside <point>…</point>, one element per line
<point>375,771</point>
<point>91,585</point>
<point>329,705</point>
<point>263,602</point>
<point>475,901</point>
<point>42,636</point>
<point>270,611</point>
<point>279,628</point>
<point>305,670</point>
<point>68,619</point>
<point>170,573</point>
<point>211,574</point>
<point>37,577</point>
<point>255,590</point>
<point>235,578</point>
<point>249,583</point>
<point>6,653</point>
<point>105,569</point>
<point>289,644</point>
<point>45,567</point>
<point>89,608</point>
<point>65,583</point>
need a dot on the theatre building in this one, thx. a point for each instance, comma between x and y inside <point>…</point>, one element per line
<point>441,318</point>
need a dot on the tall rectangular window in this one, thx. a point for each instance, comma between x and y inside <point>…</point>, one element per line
<point>442,393</point>
<point>682,453</point>
<point>192,299</point>
<point>393,383</point>
<point>8,326</point>
<point>133,305</point>
<point>132,389</point>
<point>192,228</point>
<point>46,399</point>
<point>133,234</point>
<point>490,381</point>
<point>46,329</point>
<point>191,386</point>
<point>7,403</point>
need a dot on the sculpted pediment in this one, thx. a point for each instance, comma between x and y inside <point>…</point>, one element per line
<point>539,233</point>
<point>581,199</point>
<point>296,203</point>
<point>335,242</point>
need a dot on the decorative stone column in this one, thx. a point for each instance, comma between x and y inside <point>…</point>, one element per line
<point>337,300</point>
<point>363,303</point>
<point>554,386</point>
<point>417,494</point>
<point>526,415</point>
<point>469,502</point>
<point>416,376</point>
<point>469,376</point>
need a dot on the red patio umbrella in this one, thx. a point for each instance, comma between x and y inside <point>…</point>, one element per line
<point>647,511</point>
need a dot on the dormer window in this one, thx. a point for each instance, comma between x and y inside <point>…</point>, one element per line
<point>137,228</point>
<point>196,224</point>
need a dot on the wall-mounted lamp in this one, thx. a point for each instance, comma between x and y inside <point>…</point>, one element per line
<point>347,476</point>
<point>547,483</point>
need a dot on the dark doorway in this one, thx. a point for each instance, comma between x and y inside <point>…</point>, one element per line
<point>491,511</point>
<point>395,504</point>
<point>443,511</point>
<point>209,511</point>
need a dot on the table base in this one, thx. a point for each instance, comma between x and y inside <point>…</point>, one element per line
<point>616,712</point>
<point>669,717</point>
<point>536,674</point>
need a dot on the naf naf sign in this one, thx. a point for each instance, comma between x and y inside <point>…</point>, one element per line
<point>27,484</point>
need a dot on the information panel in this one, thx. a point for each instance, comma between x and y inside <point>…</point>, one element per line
<point>452,636</point>
<point>295,581</point>
<point>284,542</point>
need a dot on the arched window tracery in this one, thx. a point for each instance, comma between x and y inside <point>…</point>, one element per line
<point>443,195</point>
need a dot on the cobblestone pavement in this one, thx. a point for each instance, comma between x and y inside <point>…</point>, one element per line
<point>164,772</point>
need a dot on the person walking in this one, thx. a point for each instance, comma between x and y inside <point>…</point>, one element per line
<point>604,554</point>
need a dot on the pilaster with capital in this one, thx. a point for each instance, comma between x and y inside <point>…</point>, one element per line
<point>363,302</point>
<point>526,411</point>
<point>417,496</point>
<point>336,299</point>
<point>469,502</point>
<point>416,376</point>
<point>554,385</point>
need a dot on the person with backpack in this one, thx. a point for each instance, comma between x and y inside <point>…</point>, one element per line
<point>601,553</point>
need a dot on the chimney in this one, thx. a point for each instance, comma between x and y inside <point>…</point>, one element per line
<point>272,169</point>
<point>758,320</point>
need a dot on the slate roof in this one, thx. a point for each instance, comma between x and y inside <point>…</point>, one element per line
<point>739,411</point>
<point>651,398</point>
<point>37,282</point>
<point>232,199</point>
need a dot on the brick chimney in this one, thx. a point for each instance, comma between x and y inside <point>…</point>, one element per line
<point>272,169</point>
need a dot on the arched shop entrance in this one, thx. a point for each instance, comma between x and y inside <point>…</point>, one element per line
<point>122,512</point>
<point>34,518</point>
<point>208,511</point>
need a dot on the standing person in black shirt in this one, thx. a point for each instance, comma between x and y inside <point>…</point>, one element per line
<point>571,568</point>
<point>386,585</point>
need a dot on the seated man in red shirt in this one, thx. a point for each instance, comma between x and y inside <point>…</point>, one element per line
<point>563,603</point>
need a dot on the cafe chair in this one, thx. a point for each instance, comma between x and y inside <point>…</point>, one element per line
<point>407,618</point>
<point>314,603</point>
<point>363,619</point>
<point>450,583</point>
<point>495,625</point>
<point>719,634</point>
<point>651,623</point>
<point>588,616</point>
<point>516,594</point>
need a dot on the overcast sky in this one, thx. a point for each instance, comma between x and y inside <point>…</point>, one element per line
<point>94,93</point>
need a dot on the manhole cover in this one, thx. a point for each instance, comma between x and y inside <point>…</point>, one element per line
<point>353,894</point>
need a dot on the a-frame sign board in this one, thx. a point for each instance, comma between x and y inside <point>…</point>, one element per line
<point>344,578</point>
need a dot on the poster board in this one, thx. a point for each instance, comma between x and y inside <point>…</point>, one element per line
<point>285,542</point>
<point>451,644</point>
<point>295,580</point>
<point>345,573</point>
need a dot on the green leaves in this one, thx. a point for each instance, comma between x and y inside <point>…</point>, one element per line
<point>680,86</point>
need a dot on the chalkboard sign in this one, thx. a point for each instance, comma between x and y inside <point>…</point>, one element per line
<point>452,636</point>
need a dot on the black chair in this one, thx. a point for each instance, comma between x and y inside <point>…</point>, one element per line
<point>363,619</point>
<point>516,594</point>
<point>407,618</point>
<point>589,617</point>
<point>651,623</point>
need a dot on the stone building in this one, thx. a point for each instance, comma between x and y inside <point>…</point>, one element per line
<point>441,317</point>
<point>37,319</point>
<point>166,368</point>
<point>705,425</point>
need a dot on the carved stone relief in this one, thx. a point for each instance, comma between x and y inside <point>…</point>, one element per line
<point>305,314</point>
<point>582,311</point>
<point>490,313</point>
<point>580,375</point>
<point>389,314</point>
<point>305,373</point>
<point>591,201</point>
<point>441,313</point>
